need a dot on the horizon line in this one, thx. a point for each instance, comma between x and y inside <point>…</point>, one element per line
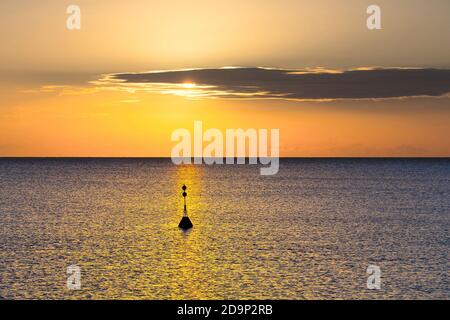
<point>159,157</point>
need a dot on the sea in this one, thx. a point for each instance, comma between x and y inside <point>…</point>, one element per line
<point>107,228</point>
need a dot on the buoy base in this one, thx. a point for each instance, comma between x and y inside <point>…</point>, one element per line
<point>185,223</point>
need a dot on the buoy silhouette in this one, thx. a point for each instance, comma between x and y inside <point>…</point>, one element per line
<point>185,223</point>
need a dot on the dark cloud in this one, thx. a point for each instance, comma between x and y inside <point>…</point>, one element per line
<point>319,84</point>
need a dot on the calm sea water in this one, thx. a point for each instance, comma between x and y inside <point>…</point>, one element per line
<point>307,233</point>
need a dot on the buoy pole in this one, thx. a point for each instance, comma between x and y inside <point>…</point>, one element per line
<point>184,197</point>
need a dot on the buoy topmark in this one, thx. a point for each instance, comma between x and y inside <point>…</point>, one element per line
<point>185,223</point>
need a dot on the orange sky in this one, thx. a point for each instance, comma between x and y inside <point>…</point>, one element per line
<point>49,107</point>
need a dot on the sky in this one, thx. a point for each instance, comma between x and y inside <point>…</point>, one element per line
<point>309,68</point>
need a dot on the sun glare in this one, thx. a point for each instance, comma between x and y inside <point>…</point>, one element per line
<point>189,85</point>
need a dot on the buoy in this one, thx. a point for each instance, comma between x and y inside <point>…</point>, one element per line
<point>185,223</point>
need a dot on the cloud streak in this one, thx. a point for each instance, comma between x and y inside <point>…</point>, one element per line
<point>307,84</point>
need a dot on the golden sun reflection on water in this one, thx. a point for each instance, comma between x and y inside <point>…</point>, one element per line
<point>190,247</point>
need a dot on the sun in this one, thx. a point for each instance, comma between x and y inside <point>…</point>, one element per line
<point>189,85</point>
